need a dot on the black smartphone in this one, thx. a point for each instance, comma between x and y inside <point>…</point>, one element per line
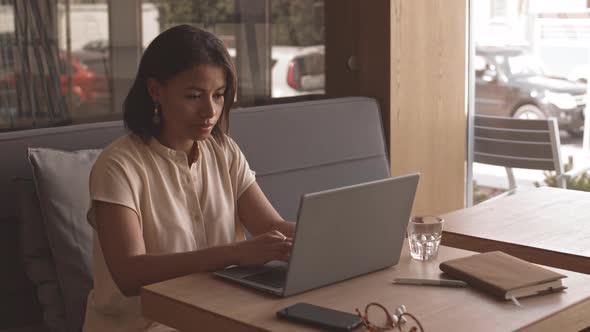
<point>327,318</point>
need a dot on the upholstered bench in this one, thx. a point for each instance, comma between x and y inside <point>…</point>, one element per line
<point>294,148</point>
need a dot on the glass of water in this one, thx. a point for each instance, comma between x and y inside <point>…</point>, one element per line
<point>424,235</point>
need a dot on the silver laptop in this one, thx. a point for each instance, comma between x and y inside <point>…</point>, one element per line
<point>340,234</point>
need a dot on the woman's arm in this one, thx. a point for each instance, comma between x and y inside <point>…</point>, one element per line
<point>124,251</point>
<point>259,216</point>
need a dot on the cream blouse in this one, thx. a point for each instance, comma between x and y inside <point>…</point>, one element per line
<point>180,208</point>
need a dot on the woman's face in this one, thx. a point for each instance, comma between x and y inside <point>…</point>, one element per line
<point>190,102</point>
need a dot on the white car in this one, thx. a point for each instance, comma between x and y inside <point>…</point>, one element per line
<point>580,73</point>
<point>295,70</point>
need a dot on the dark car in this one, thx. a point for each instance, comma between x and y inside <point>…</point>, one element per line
<point>510,82</point>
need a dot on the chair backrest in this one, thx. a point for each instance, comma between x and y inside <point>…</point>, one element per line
<point>517,143</point>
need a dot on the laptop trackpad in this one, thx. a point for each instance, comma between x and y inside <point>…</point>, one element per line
<point>273,274</point>
<point>242,272</point>
<point>273,277</point>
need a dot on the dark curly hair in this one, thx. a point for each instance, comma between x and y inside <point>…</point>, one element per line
<point>173,51</point>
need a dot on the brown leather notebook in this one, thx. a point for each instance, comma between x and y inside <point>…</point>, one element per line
<point>503,276</point>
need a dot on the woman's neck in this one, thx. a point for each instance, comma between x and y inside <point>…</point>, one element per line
<point>188,146</point>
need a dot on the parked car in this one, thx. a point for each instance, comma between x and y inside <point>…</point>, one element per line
<point>88,88</point>
<point>511,82</point>
<point>97,45</point>
<point>580,73</point>
<point>295,70</point>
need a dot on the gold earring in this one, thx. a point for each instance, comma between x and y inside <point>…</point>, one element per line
<point>156,119</point>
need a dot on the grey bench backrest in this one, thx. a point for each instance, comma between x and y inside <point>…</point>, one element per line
<point>311,146</point>
<point>294,148</point>
<point>13,147</point>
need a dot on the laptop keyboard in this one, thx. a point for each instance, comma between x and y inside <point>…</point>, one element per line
<point>273,277</point>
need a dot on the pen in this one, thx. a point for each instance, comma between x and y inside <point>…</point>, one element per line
<point>430,282</point>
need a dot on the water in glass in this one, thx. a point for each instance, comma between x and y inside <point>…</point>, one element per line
<point>424,246</point>
<point>424,235</point>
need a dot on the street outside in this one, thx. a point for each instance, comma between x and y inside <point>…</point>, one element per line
<point>531,61</point>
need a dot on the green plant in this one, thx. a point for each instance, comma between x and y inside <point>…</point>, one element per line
<point>294,22</point>
<point>478,194</point>
<point>580,182</point>
<point>483,193</point>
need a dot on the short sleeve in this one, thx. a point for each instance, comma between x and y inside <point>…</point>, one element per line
<point>240,171</point>
<point>113,180</point>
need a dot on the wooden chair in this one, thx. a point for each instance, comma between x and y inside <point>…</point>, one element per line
<point>520,143</point>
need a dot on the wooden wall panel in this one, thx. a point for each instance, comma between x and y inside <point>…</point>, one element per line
<point>411,56</point>
<point>428,99</point>
<point>357,51</point>
<point>374,73</point>
<point>342,38</point>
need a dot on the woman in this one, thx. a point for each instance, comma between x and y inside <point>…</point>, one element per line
<point>170,198</point>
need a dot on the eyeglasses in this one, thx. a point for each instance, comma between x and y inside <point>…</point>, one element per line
<point>396,321</point>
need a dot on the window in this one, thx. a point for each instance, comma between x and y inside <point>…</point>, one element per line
<point>60,68</point>
<point>535,67</point>
<point>277,45</point>
<point>48,75</point>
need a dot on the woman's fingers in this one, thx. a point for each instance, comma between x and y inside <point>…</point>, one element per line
<point>282,246</point>
<point>269,246</point>
<point>274,236</point>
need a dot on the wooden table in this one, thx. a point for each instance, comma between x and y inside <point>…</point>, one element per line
<point>547,226</point>
<point>202,302</point>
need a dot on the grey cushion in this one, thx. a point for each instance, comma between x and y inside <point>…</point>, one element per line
<point>37,259</point>
<point>61,180</point>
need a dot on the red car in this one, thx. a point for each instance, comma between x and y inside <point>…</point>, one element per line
<point>88,87</point>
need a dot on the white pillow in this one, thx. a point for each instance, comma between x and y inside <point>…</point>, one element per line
<point>61,180</point>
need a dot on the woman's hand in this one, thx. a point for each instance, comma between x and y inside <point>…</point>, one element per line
<point>263,248</point>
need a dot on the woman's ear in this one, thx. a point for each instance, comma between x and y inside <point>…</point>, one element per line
<point>154,89</point>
